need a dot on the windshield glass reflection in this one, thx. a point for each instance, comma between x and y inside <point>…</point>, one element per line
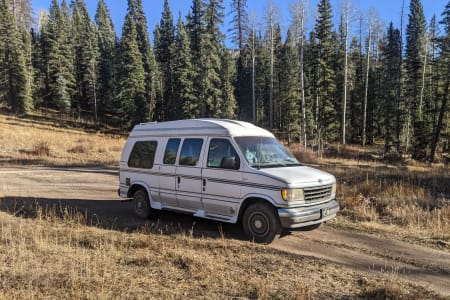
<point>265,152</point>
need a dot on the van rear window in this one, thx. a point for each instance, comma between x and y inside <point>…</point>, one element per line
<point>142,155</point>
<point>170,155</point>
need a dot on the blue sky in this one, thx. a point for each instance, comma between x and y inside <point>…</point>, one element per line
<point>389,10</point>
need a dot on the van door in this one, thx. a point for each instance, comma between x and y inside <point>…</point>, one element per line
<point>167,176</point>
<point>222,179</point>
<point>189,175</point>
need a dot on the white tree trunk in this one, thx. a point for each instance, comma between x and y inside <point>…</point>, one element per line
<point>422,89</point>
<point>298,11</point>
<point>366,89</point>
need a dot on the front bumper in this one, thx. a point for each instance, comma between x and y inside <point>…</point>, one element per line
<point>304,216</point>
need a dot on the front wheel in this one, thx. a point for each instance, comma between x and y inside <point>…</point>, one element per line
<point>142,207</point>
<point>261,223</point>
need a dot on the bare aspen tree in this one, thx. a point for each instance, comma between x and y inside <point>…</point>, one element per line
<point>366,87</point>
<point>370,26</point>
<point>252,44</point>
<point>374,28</point>
<point>424,70</point>
<point>299,12</point>
<point>345,13</point>
<point>271,15</point>
<point>399,91</point>
<point>22,13</point>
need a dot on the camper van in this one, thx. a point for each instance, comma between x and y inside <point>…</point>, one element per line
<point>224,170</point>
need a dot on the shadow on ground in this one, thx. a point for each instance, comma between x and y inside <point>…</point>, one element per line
<point>117,215</point>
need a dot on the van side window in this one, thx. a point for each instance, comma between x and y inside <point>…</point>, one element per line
<point>190,152</point>
<point>221,154</point>
<point>142,155</point>
<point>170,154</point>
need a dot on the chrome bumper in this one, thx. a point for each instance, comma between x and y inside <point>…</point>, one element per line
<point>304,216</point>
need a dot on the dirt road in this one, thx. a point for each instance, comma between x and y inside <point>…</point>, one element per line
<point>93,191</point>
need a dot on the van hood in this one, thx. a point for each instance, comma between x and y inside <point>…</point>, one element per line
<point>299,176</point>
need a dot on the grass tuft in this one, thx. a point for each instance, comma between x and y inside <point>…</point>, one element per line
<point>41,149</point>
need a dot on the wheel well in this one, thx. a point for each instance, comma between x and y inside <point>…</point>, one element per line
<point>249,201</point>
<point>134,188</point>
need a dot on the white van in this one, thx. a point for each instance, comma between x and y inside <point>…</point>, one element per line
<point>224,170</point>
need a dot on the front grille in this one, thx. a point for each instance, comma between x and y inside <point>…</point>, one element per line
<point>317,193</point>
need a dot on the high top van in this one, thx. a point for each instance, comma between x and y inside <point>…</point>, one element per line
<point>224,170</point>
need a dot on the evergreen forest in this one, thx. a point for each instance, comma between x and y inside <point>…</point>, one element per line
<point>359,81</point>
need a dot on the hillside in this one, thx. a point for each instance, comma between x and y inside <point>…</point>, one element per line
<point>48,139</point>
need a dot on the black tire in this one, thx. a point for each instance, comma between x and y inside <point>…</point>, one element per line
<point>141,205</point>
<point>261,223</point>
<point>310,227</point>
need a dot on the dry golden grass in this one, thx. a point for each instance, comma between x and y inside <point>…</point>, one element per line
<point>408,199</point>
<point>412,204</point>
<point>44,142</point>
<point>62,257</point>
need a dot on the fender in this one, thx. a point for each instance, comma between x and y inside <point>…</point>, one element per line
<point>261,196</point>
<point>153,203</point>
<point>255,196</point>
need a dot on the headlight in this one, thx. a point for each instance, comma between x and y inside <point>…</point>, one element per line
<point>292,195</point>
<point>333,189</point>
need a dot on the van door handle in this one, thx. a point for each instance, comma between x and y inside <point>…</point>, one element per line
<point>178,179</point>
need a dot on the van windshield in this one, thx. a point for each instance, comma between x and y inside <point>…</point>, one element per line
<point>265,152</point>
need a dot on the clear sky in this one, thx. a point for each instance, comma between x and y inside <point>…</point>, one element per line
<point>389,10</point>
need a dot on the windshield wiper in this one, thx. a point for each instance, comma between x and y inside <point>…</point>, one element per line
<point>291,162</point>
<point>272,165</point>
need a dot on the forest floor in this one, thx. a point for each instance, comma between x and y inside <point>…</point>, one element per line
<point>64,231</point>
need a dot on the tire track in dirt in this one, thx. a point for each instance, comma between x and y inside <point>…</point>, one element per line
<point>362,252</point>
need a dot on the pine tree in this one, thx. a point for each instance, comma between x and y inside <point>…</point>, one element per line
<point>262,81</point>
<point>184,75</point>
<point>290,93</point>
<point>85,44</point>
<point>39,73</point>
<point>209,75</point>
<point>325,114</point>
<point>15,77</point>
<point>59,58</point>
<point>277,71</point>
<point>228,75</point>
<point>357,94</point>
<point>415,53</point>
<point>164,52</point>
<point>391,61</point>
<point>444,71</point>
<point>153,96</point>
<point>106,43</point>
<point>196,27</point>
<point>131,97</point>
<point>203,25</point>
<point>239,36</point>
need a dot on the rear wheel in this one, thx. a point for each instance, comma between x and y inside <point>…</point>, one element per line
<point>142,207</point>
<point>261,223</point>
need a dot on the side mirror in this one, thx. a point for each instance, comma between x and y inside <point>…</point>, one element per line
<point>230,162</point>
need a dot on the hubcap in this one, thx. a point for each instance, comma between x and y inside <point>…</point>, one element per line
<point>259,224</point>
